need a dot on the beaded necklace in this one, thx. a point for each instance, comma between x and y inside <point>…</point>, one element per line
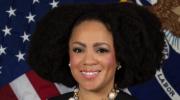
<point>111,95</point>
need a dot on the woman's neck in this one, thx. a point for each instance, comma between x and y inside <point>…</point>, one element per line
<point>96,94</point>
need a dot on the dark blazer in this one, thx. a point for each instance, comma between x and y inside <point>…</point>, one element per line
<point>121,96</point>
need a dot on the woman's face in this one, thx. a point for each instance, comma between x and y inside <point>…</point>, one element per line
<point>92,55</point>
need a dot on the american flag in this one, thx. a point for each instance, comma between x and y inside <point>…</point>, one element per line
<point>17,23</point>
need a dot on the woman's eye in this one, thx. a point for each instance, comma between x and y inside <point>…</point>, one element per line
<point>102,50</point>
<point>77,50</point>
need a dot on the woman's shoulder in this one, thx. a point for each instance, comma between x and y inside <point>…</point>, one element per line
<point>65,96</point>
<point>124,96</point>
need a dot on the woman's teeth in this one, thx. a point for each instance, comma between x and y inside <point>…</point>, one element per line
<point>90,73</point>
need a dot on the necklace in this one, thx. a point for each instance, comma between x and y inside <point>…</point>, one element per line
<point>111,95</point>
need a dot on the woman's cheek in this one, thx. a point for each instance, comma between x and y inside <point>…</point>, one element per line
<point>109,60</point>
<point>74,60</point>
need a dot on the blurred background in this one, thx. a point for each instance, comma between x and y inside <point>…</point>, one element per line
<point>17,23</point>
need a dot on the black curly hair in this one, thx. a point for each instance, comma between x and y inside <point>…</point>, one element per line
<point>137,38</point>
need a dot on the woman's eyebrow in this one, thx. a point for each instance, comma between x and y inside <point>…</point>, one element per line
<point>80,43</point>
<point>99,44</point>
<point>94,45</point>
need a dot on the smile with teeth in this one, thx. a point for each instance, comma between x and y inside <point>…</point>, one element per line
<point>90,73</point>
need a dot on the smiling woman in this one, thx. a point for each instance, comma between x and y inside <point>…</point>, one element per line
<point>92,58</point>
<point>107,47</point>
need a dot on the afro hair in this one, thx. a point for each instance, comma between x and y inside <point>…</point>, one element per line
<point>137,38</point>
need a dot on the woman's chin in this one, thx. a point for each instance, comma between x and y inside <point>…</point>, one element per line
<point>92,89</point>
<point>91,86</point>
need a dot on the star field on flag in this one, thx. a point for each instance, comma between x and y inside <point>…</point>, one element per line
<point>11,12</point>
<point>30,17</point>
<point>54,4</point>
<point>7,31</point>
<point>17,24</point>
<point>2,50</point>
<point>25,37</point>
<point>34,1</point>
<point>20,56</point>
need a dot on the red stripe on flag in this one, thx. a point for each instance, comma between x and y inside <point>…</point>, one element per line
<point>6,93</point>
<point>43,88</point>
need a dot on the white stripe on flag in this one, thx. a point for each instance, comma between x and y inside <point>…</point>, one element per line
<point>63,89</point>
<point>23,89</point>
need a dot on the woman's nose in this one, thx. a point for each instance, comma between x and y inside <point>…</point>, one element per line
<point>90,60</point>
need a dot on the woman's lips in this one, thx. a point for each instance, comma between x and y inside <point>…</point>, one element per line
<point>90,74</point>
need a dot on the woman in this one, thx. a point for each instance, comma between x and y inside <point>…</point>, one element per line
<point>98,47</point>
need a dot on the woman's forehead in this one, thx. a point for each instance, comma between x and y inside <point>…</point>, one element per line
<point>91,31</point>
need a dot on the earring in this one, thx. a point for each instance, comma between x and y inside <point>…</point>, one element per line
<point>119,67</point>
<point>69,65</point>
<point>76,89</point>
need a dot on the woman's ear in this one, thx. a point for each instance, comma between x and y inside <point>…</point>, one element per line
<point>118,64</point>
